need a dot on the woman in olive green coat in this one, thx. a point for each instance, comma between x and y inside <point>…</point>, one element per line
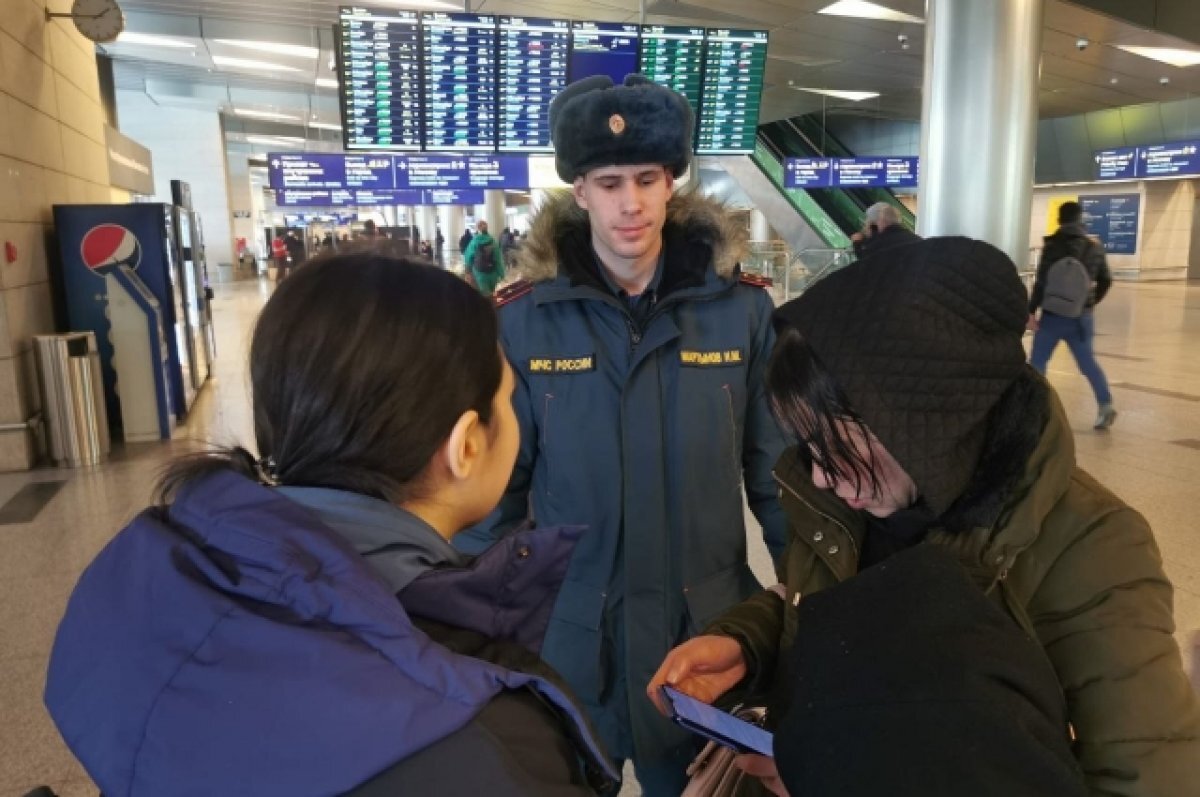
<point>904,378</point>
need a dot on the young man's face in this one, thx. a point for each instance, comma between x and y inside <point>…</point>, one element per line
<point>627,206</point>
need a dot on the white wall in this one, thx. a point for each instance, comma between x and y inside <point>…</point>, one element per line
<point>188,145</point>
<point>1165,226</point>
<point>52,152</point>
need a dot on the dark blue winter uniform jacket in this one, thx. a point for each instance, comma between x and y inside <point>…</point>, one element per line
<point>644,424</point>
<point>237,644</point>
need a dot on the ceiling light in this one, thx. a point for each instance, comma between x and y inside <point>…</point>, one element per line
<point>865,10</point>
<point>327,83</point>
<point>324,126</point>
<point>434,4</point>
<point>1168,55</point>
<point>151,40</point>
<point>246,63</point>
<point>265,115</point>
<point>295,50</point>
<point>853,96</point>
<point>275,141</point>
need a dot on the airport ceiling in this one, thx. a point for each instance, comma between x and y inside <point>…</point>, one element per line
<point>807,49</point>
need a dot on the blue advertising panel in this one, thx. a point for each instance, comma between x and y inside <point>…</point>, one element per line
<point>1169,160</point>
<point>1116,164</point>
<point>875,172</point>
<point>602,48</point>
<point>1113,218</point>
<point>533,69</point>
<point>808,173</point>
<point>459,59</point>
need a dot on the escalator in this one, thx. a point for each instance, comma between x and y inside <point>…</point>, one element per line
<point>806,137</point>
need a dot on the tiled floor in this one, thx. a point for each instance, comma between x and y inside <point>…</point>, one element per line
<point>1149,335</point>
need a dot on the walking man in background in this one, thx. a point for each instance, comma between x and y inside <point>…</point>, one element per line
<point>1072,278</point>
<point>883,229</point>
<point>485,260</point>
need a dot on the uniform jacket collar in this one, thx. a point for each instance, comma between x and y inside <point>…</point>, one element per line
<point>701,243</point>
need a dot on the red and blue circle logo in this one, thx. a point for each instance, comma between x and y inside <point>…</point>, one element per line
<point>110,245</point>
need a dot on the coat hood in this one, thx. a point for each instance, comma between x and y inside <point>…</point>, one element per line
<point>234,644</point>
<point>561,235</point>
<point>1008,505</point>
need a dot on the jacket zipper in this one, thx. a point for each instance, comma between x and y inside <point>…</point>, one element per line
<point>833,520</point>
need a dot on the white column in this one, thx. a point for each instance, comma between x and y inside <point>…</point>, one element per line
<point>760,229</point>
<point>979,120</point>
<point>494,212</point>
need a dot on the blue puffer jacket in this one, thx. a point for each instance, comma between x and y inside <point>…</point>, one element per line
<point>647,434</point>
<point>235,644</point>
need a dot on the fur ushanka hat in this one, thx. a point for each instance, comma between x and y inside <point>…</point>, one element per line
<point>923,339</point>
<point>596,123</point>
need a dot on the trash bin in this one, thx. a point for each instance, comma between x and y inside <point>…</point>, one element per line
<point>72,398</point>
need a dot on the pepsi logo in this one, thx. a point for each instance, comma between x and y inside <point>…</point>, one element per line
<point>110,245</point>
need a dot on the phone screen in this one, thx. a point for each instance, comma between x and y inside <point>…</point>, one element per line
<point>714,724</point>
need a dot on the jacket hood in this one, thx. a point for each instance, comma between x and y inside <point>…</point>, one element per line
<point>561,234</point>
<point>1075,230</point>
<point>235,643</point>
<point>1009,516</point>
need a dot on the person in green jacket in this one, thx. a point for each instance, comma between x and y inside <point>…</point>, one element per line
<point>475,259</point>
<point>920,423</point>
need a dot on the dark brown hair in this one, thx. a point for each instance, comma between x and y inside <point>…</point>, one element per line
<point>360,366</point>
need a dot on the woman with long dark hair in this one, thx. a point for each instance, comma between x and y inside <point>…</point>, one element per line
<point>296,622</point>
<point>920,429</point>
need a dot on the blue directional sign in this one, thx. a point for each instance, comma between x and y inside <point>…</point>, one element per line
<point>1169,160</point>
<point>1116,164</point>
<point>319,170</point>
<point>448,171</point>
<point>306,198</point>
<point>897,172</point>
<point>1113,218</point>
<point>442,196</point>
<point>808,173</point>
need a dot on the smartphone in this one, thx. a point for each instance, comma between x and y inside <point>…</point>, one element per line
<point>716,725</point>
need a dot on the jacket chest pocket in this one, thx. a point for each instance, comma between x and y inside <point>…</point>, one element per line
<point>564,393</point>
<point>714,400</point>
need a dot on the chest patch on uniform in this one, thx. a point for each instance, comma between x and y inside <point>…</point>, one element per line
<point>562,365</point>
<point>710,359</point>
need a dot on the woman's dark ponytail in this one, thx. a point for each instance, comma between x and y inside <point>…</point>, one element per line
<point>191,467</point>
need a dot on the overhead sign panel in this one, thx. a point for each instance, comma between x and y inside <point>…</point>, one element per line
<point>379,76</point>
<point>1116,164</point>
<point>1169,160</point>
<point>734,65</point>
<point>881,172</point>
<point>330,172</point>
<point>808,173</point>
<point>534,56</point>
<point>459,66</point>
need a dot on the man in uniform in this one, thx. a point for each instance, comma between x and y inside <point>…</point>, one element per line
<point>639,349</point>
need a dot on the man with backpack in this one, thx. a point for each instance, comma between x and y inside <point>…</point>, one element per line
<point>485,260</point>
<point>1072,278</point>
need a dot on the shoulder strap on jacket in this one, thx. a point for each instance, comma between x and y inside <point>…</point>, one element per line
<point>510,293</point>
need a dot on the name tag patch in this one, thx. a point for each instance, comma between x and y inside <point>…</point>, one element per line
<point>710,359</point>
<point>562,365</point>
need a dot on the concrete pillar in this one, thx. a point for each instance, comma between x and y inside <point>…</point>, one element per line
<point>494,212</point>
<point>428,223</point>
<point>760,229</point>
<point>979,120</point>
<point>453,219</point>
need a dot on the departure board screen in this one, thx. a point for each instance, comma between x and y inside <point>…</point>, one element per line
<point>533,68</point>
<point>674,57</point>
<point>459,81</point>
<point>380,83</point>
<point>600,48</point>
<point>734,63</point>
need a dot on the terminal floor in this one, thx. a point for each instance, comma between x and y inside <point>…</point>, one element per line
<point>1148,336</point>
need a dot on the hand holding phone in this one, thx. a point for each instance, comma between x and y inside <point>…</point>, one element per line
<point>716,725</point>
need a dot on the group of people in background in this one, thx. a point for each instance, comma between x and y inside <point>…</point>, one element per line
<point>475,538</point>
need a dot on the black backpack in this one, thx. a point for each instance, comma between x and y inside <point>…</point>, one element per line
<point>485,259</point>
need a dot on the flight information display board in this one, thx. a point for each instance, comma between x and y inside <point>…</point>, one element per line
<point>459,80</point>
<point>674,56</point>
<point>533,68</point>
<point>734,64</point>
<point>380,83</point>
<point>602,48</point>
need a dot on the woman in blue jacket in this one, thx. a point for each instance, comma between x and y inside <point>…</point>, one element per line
<point>298,623</point>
